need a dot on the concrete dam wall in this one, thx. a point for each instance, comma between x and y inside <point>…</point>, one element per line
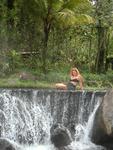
<point>28,114</point>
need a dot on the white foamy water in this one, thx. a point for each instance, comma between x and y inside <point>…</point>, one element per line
<point>82,140</point>
<point>25,123</point>
<point>30,122</point>
<point>38,147</point>
<point>82,135</point>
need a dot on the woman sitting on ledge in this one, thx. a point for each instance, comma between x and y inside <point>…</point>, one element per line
<point>75,79</point>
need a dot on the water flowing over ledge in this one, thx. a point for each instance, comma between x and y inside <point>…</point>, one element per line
<point>26,115</point>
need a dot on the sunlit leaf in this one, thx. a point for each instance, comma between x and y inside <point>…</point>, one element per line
<point>84,19</point>
<point>66,17</point>
<point>78,5</point>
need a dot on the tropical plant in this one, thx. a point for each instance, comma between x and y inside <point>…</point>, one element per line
<point>103,22</point>
<point>65,12</point>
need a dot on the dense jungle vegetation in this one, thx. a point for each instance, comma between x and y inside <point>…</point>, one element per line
<point>45,38</point>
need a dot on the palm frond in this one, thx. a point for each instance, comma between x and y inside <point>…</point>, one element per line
<point>66,17</point>
<point>56,5</point>
<point>42,6</point>
<point>78,5</point>
<point>84,19</point>
<point>66,12</point>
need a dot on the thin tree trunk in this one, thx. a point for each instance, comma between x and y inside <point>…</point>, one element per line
<point>10,21</point>
<point>100,59</point>
<point>107,49</point>
<point>90,50</point>
<point>44,51</point>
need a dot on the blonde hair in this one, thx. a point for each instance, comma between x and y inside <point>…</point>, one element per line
<point>75,69</point>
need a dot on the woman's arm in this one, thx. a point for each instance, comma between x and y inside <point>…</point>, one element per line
<point>81,85</point>
<point>81,82</point>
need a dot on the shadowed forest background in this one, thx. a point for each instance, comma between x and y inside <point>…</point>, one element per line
<point>40,40</point>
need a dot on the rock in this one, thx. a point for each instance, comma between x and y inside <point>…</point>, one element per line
<point>6,144</point>
<point>102,131</point>
<point>66,148</point>
<point>60,136</point>
<point>27,76</point>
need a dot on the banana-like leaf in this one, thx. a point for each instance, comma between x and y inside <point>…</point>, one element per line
<point>68,18</point>
<point>78,5</point>
<point>56,5</point>
<point>84,19</point>
<point>66,13</point>
<point>42,6</point>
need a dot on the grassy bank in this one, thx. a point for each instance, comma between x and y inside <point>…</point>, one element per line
<point>91,81</point>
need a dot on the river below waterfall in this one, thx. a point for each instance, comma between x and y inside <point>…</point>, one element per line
<point>26,117</point>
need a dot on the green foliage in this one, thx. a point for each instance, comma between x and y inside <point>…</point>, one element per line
<point>15,61</point>
<point>104,12</point>
<point>103,15</point>
<point>4,64</point>
<point>72,36</point>
<point>99,80</point>
<point>78,5</point>
<point>91,81</point>
<point>66,18</point>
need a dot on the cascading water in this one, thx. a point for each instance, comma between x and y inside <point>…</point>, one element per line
<point>26,117</point>
<point>82,136</point>
<point>24,123</point>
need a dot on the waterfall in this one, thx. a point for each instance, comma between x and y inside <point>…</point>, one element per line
<point>82,135</point>
<point>26,116</point>
<point>22,122</point>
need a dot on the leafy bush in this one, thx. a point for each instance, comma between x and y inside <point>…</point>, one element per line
<point>14,60</point>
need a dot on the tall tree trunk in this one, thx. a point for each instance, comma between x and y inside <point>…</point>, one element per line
<point>10,21</point>
<point>44,51</point>
<point>101,53</point>
<point>108,40</point>
<point>90,50</point>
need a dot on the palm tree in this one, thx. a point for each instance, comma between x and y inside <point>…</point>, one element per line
<point>65,12</point>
